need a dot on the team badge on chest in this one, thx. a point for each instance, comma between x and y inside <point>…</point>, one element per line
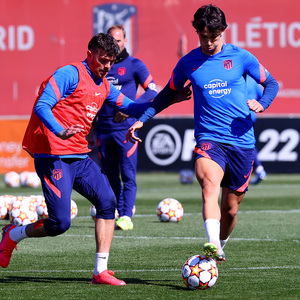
<point>227,64</point>
<point>121,71</point>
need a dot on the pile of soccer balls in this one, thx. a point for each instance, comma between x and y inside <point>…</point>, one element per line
<point>25,179</point>
<point>22,210</point>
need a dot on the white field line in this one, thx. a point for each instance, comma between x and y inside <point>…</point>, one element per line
<point>146,270</point>
<point>240,212</point>
<point>175,238</point>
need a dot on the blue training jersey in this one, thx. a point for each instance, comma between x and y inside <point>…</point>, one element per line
<point>254,91</point>
<point>221,112</point>
<point>126,76</point>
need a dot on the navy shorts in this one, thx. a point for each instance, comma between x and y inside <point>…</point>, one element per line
<point>236,162</point>
<point>59,176</point>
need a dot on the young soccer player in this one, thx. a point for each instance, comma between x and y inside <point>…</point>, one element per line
<point>223,127</point>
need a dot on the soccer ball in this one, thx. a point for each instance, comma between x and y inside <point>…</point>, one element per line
<point>33,180</point>
<point>23,178</point>
<point>3,208</point>
<point>41,207</point>
<point>186,176</point>
<point>12,179</point>
<point>200,272</point>
<point>169,210</point>
<point>74,209</point>
<point>93,212</point>
<point>117,213</point>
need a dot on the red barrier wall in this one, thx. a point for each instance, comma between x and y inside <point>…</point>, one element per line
<point>36,37</point>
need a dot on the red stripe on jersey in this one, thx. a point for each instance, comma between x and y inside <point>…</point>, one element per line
<point>56,191</point>
<point>172,86</point>
<point>262,74</point>
<point>120,99</point>
<point>147,81</point>
<point>132,150</point>
<point>203,153</point>
<point>55,88</point>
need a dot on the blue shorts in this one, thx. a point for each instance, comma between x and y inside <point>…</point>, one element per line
<point>59,176</point>
<point>236,162</point>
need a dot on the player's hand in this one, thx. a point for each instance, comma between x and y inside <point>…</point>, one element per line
<point>120,117</point>
<point>255,106</point>
<point>130,136</point>
<point>67,133</point>
<point>183,95</point>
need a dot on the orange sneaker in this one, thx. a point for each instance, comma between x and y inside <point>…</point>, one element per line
<point>105,277</point>
<point>7,246</point>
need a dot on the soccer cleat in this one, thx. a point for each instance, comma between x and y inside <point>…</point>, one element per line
<point>7,246</point>
<point>124,223</point>
<point>262,175</point>
<point>105,277</point>
<point>211,250</point>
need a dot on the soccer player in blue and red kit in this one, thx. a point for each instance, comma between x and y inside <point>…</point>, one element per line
<point>224,132</point>
<point>119,158</point>
<point>62,116</point>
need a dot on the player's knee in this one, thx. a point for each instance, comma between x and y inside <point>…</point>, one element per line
<point>106,210</point>
<point>54,228</point>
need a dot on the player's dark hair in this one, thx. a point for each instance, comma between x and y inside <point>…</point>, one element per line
<point>209,16</point>
<point>105,42</point>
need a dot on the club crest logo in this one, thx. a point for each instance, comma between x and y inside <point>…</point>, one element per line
<point>227,64</point>
<point>206,146</point>
<point>106,15</point>
<point>121,71</point>
<point>57,174</point>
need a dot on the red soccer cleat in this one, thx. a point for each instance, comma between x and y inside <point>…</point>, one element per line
<point>105,277</point>
<point>7,246</point>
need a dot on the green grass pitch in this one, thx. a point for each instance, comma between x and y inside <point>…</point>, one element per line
<point>262,256</point>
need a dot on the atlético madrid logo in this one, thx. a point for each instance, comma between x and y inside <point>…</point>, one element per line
<point>227,64</point>
<point>106,15</point>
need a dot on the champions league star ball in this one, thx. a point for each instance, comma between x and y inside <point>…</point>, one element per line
<point>3,208</point>
<point>169,210</point>
<point>186,176</point>
<point>199,272</point>
<point>93,212</point>
<point>33,180</point>
<point>41,208</point>
<point>74,209</point>
<point>12,179</point>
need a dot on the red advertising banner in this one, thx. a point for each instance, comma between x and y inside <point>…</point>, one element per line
<point>36,37</point>
<point>12,156</point>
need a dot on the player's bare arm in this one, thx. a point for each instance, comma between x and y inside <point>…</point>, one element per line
<point>67,133</point>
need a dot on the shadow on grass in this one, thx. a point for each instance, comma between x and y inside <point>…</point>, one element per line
<point>163,283</point>
<point>55,280</point>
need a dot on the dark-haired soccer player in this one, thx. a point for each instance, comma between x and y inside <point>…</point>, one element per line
<point>118,158</point>
<point>223,127</point>
<point>61,118</point>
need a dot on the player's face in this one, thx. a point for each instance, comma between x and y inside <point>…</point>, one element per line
<point>210,44</point>
<point>119,37</point>
<point>99,62</point>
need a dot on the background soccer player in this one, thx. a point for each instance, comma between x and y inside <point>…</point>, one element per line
<point>118,158</point>
<point>223,127</point>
